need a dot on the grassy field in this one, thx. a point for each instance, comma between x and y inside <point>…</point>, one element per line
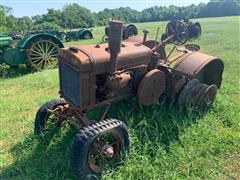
<point>166,143</point>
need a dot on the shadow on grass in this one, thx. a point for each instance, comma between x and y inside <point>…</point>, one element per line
<point>43,157</point>
<point>47,157</point>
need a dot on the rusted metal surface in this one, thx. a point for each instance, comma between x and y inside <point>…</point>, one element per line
<point>114,43</point>
<point>151,87</point>
<point>145,35</point>
<point>208,69</point>
<point>127,58</point>
<point>102,153</point>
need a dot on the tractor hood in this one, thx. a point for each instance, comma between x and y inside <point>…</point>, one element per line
<point>95,58</point>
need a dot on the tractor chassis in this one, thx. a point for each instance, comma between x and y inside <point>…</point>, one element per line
<point>78,118</point>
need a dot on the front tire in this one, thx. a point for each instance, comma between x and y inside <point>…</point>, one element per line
<point>42,116</point>
<point>87,156</point>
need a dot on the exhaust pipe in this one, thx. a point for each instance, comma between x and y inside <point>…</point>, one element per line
<point>114,43</point>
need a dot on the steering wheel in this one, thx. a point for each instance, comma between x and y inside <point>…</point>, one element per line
<point>179,30</point>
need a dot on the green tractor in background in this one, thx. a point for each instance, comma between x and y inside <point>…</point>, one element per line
<point>37,51</point>
<point>76,35</point>
<point>71,35</point>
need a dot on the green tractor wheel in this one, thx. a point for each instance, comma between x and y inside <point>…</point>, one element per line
<point>43,54</point>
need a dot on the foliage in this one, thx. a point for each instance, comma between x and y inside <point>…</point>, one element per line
<point>165,142</point>
<point>76,16</point>
<point>46,25</point>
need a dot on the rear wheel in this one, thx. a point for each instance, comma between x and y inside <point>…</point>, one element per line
<point>99,147</point>
<point>105,38</point>
<point>197,96</point>
<point>131,31</point>
<point>87,35</point>
<point>43,54</point>
<point>44,118</point>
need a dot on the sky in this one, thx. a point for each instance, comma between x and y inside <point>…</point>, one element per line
<point>38,7</point>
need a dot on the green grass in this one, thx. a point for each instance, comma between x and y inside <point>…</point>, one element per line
<point>166,143</point>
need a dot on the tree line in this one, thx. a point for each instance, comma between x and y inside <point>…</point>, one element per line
<point>75,16</point>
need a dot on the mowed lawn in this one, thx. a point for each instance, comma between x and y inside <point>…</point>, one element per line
<point>166,143</point>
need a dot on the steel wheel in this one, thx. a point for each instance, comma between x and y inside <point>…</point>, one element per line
<point>208,97</point>
<point>43,54</point>
<point>179,29</point>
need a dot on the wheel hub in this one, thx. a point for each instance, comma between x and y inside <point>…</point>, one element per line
<point>107,150</point>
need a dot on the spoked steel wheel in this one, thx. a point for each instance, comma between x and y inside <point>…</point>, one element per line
<point>179,30</point>
<point>43,54</point>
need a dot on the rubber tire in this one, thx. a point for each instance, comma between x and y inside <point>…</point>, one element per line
<point>43,114</point>
<point>188,91</point>
<point>191,95</point>
<point>83,140</point>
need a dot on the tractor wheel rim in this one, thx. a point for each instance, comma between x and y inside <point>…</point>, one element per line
<point>208,97</point>
<point>43,54</point>
<point>97,160</point>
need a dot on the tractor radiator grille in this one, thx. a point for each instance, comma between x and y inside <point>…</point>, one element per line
<point>69,83</point>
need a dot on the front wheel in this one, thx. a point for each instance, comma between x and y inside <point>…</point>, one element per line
<point>99,147</point>
<point>43,117</point>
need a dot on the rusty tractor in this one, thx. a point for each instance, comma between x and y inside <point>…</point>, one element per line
<point>95,76</point>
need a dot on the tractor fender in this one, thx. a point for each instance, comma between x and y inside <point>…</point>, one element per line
<point>27,41</point>
<point>208,69</point>
<point>133,27</point>
<point>83,31</point>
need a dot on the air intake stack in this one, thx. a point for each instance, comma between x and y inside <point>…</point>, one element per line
<point>114,43</point>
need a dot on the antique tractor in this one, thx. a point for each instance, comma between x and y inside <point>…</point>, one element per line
<point>66,35</point>
<point>94,76</point>
<point>38,51</point>
<point>193,30</point>
<point>77,35</point>
<point>128,31</point>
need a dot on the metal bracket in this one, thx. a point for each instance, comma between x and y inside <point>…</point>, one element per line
<point>106,111</point>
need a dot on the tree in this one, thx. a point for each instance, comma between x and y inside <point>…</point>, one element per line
<point>38,19</point>
<point>217,8</point>
<point>24,23</point>
<point>53,16</point>
<point>46,25</point>
<point>76,16</point>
